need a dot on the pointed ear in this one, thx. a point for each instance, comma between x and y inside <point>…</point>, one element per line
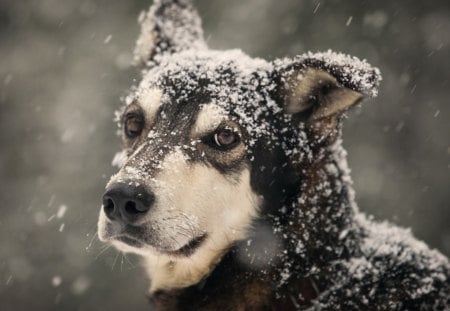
<point>323,86</point>
<point>169,26</point>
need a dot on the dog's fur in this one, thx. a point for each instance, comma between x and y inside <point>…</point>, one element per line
<point>269,223</point>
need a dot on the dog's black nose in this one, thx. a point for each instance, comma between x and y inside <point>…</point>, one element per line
<point>124,202</point>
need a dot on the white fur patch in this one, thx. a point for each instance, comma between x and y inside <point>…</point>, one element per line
<point>223,209</point>
<point>191,200</point>
<point>150,101</point>
<point>209,118</point>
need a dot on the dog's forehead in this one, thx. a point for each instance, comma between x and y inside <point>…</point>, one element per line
<point>209,71</point>
<point>234,83</point>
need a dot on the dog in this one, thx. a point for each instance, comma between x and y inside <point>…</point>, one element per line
<point>234,188</point>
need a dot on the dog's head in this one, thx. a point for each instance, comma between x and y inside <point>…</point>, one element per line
<point>212,139</point>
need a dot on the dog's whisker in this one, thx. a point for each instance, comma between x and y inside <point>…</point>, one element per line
<point>95,235</point>
<point>104,249</point>
<point>128,260</point>
<point>114,261</point>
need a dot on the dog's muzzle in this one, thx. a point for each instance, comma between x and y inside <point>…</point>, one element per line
<point>126,203</point>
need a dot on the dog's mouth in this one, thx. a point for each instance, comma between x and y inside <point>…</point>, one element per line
<point>189,248</point>
<point>184,251</point>
<point>129,241</point>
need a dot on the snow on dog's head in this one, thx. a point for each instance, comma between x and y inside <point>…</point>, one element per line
<point>213,139</point>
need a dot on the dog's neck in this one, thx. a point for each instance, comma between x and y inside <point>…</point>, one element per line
<point>321,225</point>
<point>318,231</point>
<point>317,227</point>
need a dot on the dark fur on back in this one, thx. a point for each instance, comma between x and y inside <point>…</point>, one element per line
<point>309,247</point>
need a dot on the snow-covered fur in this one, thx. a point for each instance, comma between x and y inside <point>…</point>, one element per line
<point>234,186</point>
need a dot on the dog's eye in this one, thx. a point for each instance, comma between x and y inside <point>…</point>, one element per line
<point>133,125</point>
<point>225,138</point>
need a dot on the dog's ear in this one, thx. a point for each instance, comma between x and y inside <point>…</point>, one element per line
<point>169,26</point>
<point>320,87</point>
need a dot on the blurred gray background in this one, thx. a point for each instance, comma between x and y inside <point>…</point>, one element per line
<point>65,64</point>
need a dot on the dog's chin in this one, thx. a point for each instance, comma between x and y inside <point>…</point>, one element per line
<point>127,243</point>
<point>136,240</point>
<point>130,241</point>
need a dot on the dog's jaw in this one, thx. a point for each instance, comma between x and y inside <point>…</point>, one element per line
<point>171,272</point>
<point>222,209</point>
<point>228,212</point>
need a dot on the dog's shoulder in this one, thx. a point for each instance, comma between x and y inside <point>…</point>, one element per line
<point>393,271</point>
